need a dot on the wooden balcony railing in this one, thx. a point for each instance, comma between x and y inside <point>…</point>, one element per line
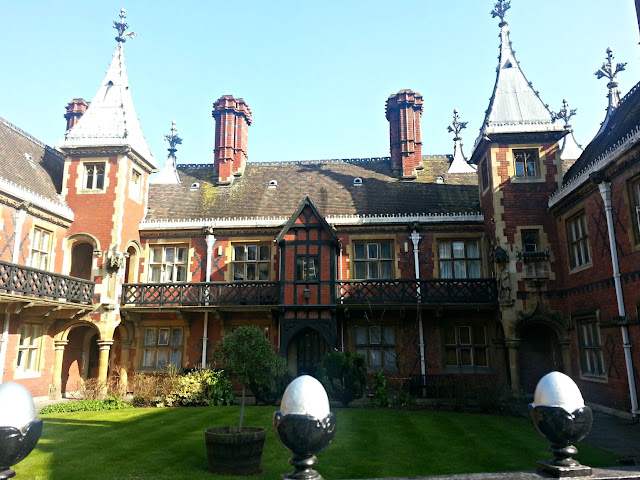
<point>32,282</point>
<point>482,290</point>
<point>200,294</point>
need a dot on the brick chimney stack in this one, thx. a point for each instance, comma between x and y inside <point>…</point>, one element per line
<point>233,117</point>
<point>75,110</point>
<point>403,111</point>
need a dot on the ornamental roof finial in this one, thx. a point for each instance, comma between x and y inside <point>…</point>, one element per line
<point>607,70</point>
<point>500,10</point>
<point>457,126</point>
<point>173,139</point>
<point>122,27</point>
<point>565,114</point>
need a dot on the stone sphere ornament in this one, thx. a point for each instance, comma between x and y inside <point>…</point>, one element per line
<point>19,429</point>
<point>559,414</point>
<point>304,425</point>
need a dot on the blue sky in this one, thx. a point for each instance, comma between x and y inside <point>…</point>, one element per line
<point>315,74</point>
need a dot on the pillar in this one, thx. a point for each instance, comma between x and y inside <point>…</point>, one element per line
<point>565,352</point>
<point>513,347</point>
<point>55,391</point>
<point>104,347</point>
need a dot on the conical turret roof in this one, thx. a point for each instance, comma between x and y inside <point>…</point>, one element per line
<point>111,118</point>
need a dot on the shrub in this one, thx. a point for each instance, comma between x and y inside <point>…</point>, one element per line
<point>271,388</point>
<point>152,389</point>
<point>111,403</point>
<point>344,376</point>
<point>381,396</point>
<point>201,387</point>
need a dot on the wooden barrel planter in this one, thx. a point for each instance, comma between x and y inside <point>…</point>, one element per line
<point>233,451</point>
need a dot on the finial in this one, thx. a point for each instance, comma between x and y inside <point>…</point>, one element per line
<point>565,114</point>
<point>173,139</point>
<point>457,126</point>
<point>608,71</point>
<point>500,10</point>
<point>122,27</point>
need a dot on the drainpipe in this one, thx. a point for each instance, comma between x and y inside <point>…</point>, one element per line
<point>415,238</point>
<point>605,192</point>
<point>340,278</point>
<point>211,240</point>
<point>20,216</point>
<point>4,344</point>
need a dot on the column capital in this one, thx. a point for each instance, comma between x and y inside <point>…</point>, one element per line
<point>512,343</point>
<point>60,344</point>
<point>104,344</point>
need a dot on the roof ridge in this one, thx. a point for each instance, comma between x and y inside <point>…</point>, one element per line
<point>31,138</point>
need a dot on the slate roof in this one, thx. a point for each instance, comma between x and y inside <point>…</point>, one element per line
<point>622,122</point>
<point>111,117</point>
<point>329,184</point>
<point>30,164</point>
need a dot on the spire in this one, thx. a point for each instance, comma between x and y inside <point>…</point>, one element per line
<point>514,106</point>
<point>111,118</point>
<point>611,72</point>
<point>569,148</point>
<point>459,163</point>
<point>169,173</point>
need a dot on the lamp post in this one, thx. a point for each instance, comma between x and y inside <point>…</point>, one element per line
<point>304,425</point>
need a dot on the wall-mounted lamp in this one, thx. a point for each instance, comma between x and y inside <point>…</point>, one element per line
<point>306,292</point>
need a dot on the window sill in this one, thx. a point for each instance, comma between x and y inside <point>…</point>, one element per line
<point>594,378</point>
<point>86,191</point>
<point>467,369</point>
<point>527,180</point>
<point>580,268</point>
<point>20,375</point>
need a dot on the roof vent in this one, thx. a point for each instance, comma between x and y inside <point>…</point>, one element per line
<point>273,184</point>
<point>357,182</point>
<point>439,179</point>
<point>508,64</point>
<point>30,159</point>
<point>195,186</point>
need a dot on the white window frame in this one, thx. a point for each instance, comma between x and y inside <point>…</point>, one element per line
<point>251,262</point>
<point>41,242</point>
<point>526,162</point>
<point>161,347</point>
<point>372,261</point>
<point>168,263</point>
<point>590,346</point>
<point>29,350</point>
<point>578,241</point>
<point>456,266</point>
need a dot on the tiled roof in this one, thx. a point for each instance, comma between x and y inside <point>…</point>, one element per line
<point>329,184</point>
<point>622,122</point>
<point>30,164</point>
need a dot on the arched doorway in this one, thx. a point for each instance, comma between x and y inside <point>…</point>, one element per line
<point>539,354</point>
<point>306,351</point>
<point>80,360</point>
<point>81,260</point>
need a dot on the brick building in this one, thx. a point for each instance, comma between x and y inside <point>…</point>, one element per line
<point>494,270</point>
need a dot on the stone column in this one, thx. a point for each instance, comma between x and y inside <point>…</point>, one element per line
<point>55,391</point>
<point>565,352</point>
<point>513,347</point>
<point>103,361</point>
<point>124,365</point>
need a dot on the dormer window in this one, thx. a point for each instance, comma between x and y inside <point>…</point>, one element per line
<point>195,186</point>
<point>357,182</point>
<point>273,184</point>
<point>439,179</point>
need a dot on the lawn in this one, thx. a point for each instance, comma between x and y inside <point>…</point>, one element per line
<point>158,444</point>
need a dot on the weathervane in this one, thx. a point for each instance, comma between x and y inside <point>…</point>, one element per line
<point>173,139</point>
<point>500,10</point>
<point>565,113</point>
<point>122,27</point>
<point>457,126</point>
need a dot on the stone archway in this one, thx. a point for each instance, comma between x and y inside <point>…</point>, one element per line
<point>80,360</point>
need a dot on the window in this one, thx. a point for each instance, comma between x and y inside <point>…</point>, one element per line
<point>162,347</point>
<point>526,163</point>
<point>484,172</point>
<point>466,346</point>
<point>29,348</point>
<point>530,241</point>
<point>578,240</point>
<point>307,269</point>
<point>94,176</point>
<point>378,346</point>
<point>40,248</point>
<point>251,262</point>
<point>459,258</point>
<point>168,264</point>
<point>135,187</point>
<point>373,260</point>
<point>591,357</point>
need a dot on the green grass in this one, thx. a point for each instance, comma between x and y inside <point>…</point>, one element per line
<point>158,444</point>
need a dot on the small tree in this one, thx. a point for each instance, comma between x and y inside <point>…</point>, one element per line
<point>248,357</point>
<point>344,375</point>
